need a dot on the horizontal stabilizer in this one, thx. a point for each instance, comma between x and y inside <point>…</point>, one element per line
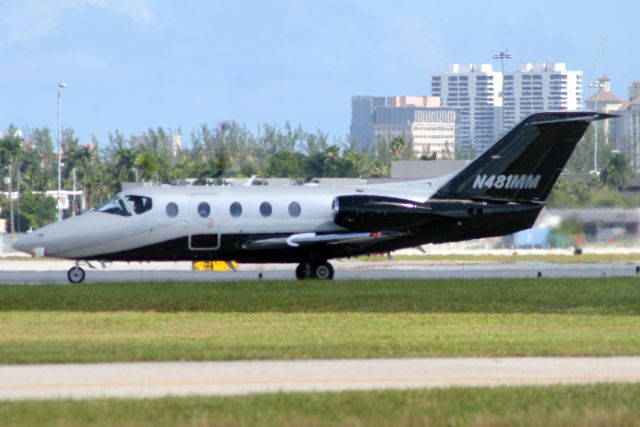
<point>585,118</point>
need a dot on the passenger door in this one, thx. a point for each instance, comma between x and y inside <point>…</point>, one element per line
<point>204,229</point>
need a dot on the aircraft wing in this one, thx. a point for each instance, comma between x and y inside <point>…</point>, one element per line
<point>307,239</point>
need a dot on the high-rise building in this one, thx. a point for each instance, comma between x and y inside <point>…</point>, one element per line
<point>475,91</point>
<point>362,112</point>
<point>539,87</point>
<point>419,119</point>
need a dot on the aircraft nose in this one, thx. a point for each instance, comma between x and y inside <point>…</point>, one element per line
<point>28,243</point>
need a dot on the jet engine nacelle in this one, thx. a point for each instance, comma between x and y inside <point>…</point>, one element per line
<point>373,213</point>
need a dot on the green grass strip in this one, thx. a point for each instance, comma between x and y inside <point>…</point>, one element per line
<point>39,337</point>
<point>282,320</point>
<point>595,405</point>
<point>619,296</point>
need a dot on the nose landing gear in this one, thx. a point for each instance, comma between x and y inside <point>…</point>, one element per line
<point>314,270</point>
<point>75,274</point>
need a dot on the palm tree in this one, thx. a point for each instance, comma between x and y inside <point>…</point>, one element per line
<point>147,163</point>
<point>10,146</point>
<point>615,171</point>
<point>397,146</point>
<point>10,151</point>
<point>123,161</point>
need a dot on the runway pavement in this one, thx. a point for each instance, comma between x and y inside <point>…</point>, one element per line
<point>152,379</point>
<point>32,272</point>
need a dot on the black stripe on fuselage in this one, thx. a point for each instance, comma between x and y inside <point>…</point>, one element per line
<point>504,220</point>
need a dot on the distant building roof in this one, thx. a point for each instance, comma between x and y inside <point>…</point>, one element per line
<point>599,215</point>
<point>422,169</point>
<point>603,97</point>
<point>628,104</point>
<point>604,78</point>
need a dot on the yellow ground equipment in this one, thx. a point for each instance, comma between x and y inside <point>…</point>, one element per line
<point>215,266</point>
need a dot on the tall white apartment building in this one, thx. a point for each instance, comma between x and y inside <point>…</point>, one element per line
<point>475,91</point>
<point>539,87</point>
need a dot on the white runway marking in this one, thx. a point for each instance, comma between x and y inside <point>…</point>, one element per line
<point>156,379</point>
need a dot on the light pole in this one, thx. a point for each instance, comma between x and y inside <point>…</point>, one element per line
<point>11,220</point>
<point>73,205</point>
<point>596,84</point>
<point>60,87</point>
<point>502,56</point>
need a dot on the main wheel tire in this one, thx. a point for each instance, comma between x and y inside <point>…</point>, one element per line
<point>75,274</point>
<point>301,271</point>
<point>322,271</point>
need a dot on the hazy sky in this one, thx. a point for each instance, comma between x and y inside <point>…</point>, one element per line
<point>135,64</point>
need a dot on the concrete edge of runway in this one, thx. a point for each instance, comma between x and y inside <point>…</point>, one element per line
<point>352,270</point>
<point>159,379</point>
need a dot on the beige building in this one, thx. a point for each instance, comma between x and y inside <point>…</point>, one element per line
<point>628,132</point>
<point>431,130</point>
<point>419,119</point>
<point>412,101</point>
<point>605,101</point>
<point>634,90</point>
<point>627,127</point>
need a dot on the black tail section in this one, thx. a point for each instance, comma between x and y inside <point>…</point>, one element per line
<point>525,163</point>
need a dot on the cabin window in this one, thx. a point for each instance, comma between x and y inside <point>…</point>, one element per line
<point>265,209</point>
<point>294,209</point>
<point>114,206</point>
<point>235,209</point>
<point>204,209</point>
<point>172,210</point>
<point>139,204</point>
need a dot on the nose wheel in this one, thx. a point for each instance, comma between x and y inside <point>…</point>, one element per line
<point>314,270</point>
<point>75,274</point>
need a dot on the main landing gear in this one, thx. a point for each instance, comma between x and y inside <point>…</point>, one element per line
<point>75,274</point>
<point>314,270</point>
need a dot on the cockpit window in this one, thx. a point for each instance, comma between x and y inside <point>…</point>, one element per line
<point>115,206</point>
<point>139,204</point>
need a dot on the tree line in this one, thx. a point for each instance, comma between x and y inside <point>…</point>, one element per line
<point>162,156</point>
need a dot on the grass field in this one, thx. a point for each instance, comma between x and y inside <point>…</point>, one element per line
<point>606,296</point>
<point>275,320</point>
<point>218,321</point>
<point>598,405</point>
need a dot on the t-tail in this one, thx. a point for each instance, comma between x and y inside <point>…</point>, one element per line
<point>525,163</point>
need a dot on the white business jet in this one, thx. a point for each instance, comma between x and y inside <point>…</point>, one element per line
<point>500,192</point>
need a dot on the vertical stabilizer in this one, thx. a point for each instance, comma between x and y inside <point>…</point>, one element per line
<point>525,163</point>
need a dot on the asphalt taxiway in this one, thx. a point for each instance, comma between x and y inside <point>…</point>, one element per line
<point>45,272</point>
<point>156,379</point>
